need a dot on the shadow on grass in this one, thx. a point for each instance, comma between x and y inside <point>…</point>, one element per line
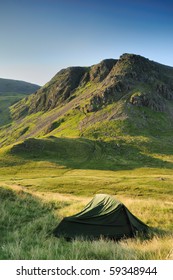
<point>81,153</point>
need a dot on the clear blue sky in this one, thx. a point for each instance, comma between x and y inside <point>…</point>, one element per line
<point>40,37</point>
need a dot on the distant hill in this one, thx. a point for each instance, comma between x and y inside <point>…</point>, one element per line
<point>8,85</point>
<point>12,91</point>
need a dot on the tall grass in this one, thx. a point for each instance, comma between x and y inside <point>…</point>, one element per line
<point>26,224</point>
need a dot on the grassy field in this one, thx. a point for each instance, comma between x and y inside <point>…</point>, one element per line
<point>28,220</point>
<point>55,177</point>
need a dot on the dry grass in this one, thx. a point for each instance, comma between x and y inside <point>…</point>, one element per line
<point>32,217</point>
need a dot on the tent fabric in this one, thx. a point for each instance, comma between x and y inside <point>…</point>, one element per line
<point>103,216</point>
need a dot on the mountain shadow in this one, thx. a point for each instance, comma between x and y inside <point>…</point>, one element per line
<point>81,153</point>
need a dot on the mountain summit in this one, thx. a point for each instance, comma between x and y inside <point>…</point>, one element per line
<point>114,79</point>
<point>98,101</point>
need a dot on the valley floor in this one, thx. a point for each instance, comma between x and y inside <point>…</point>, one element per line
<point>37,192</point>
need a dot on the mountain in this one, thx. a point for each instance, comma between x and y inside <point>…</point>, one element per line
<point>11,91</point>
<point>129,96</point>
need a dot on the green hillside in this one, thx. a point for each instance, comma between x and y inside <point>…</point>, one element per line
<point>8,85</point>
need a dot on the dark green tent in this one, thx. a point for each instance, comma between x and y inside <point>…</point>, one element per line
<point>102,217</point>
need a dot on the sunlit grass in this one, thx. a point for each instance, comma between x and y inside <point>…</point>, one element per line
<point>63,175</point>
<point>26,224</point>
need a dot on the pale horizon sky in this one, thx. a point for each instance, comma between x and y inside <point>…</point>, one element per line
<point>40,37</point>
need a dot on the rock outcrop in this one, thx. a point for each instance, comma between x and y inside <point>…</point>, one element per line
<point>141,81</point>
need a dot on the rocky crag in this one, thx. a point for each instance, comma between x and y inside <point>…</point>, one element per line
<point>78,98</point>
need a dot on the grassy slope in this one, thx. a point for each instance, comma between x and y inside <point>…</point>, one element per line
<point>6,100</point>
<point>26,224</point>
<point>83,166</point>
<point>115,120</point>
